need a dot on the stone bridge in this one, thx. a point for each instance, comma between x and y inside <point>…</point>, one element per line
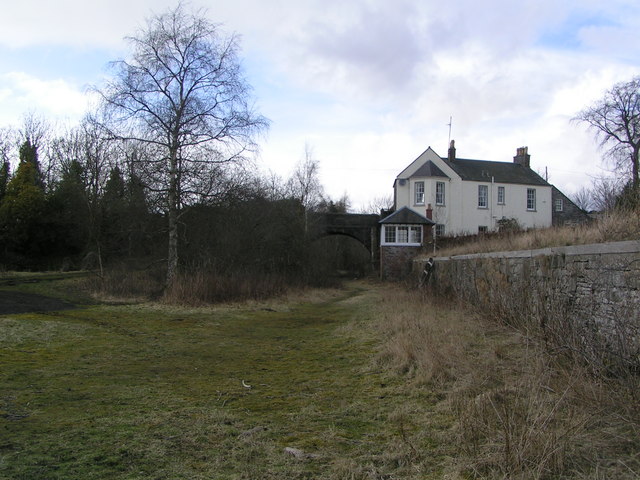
<point>363,227</point>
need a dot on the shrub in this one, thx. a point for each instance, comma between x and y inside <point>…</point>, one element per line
<point>208,287</point>
<point>126,284</point>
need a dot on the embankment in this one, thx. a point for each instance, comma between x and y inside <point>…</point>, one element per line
<point>583,297</point>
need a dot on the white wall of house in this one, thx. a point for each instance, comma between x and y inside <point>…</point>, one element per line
<point>460,212</point>
<point>468,216</point>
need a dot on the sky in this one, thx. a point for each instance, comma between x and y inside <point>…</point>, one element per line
<point>368,85</point>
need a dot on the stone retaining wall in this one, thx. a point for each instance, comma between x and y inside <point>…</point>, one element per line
<point>594,287</point>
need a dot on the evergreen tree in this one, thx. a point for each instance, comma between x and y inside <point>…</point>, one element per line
<point>21,214</point>
<point>29,153</point>
<point>113,230</point>
<point>68,216</point>
<point>4,179</point>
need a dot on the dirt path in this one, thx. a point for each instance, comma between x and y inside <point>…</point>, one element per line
<point>19,302</point>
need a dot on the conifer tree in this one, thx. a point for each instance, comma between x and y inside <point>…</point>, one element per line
<point>22,209</point>
<point>4,179</point>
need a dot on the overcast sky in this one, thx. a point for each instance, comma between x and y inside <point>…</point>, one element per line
<point>369,84</point>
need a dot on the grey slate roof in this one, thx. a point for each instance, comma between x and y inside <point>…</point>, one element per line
<point>406,216</point>
<point>501,172</point>
<point>429,169</point>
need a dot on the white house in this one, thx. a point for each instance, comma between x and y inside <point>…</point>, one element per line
<point>463,196</point>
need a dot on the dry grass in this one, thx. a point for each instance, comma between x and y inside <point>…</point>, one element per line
<point>520,412</point>
<point>411,333</point>
<point>124,285</point>
<point>202,288</point>
<point>194,288</point>
<point>611,227</point>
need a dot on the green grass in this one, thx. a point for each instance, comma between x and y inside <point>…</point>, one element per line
<point>155,392</point>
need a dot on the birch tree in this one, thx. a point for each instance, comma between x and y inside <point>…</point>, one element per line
<point>182,93</point>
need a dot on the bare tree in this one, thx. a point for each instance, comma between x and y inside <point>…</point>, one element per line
<point>378,204</point>
<point>183,95</point>
<point>616,121</point>
<point>7,142</point>
<point>605,192</point>
<point>87,151</point>
<point>35,129</point>
<point>304,184</point>
<point>34,135</point>
<point>583,198</point>
<point>6,149</point>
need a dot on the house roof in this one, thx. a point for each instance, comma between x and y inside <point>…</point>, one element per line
<point>500,172</point>
<point>429,169</point>
<point>406,216</point>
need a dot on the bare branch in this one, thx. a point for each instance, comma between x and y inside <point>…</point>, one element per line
<point>183,96</point>
<point>615,119</point>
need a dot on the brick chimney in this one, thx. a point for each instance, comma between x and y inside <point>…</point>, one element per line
<point>429,212</point>
<point>452,151</point>
<point>522,157</point>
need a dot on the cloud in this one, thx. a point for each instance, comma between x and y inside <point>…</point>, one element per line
<point>75,23</point>
<point>379,46</point>
<point>21,93</point>
<point>372,83</point>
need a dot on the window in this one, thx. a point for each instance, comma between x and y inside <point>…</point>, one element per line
<point>439,230</point>
<point>439,193</point>
<point>402,234</point>
<point>389,234</point>
<point>500,195</point>
<point>419,186</point>
<point>531,199</point>
<point>483,229</point>
<point>559,205</point>
<point>415,234</point>
<point>483,196</point>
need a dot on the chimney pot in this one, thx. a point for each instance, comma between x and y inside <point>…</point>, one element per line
<point>429,212</point>
<point>452,150</point>
<point>522,157</point>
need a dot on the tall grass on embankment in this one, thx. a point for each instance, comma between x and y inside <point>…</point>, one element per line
<point>520,410</point>
<point>618,225</point>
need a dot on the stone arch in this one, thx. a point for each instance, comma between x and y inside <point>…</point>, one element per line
<point>362,227</point>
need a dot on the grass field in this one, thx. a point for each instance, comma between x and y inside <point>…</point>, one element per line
<point>368,382</point>
<point>156,392</point>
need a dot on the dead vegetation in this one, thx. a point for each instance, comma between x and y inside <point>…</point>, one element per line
<point>617,225</point>
<point>521,410</point>
<point>194,288</point>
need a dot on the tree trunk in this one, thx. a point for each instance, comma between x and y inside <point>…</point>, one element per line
<point>172,258</point>
<point>636,161</point>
